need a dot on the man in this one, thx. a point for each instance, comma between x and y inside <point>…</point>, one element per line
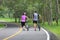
<point>35,19</point>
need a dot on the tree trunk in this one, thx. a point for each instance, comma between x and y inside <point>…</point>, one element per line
<point>1,2</point>
<point>43,12</point>
<point>49,12</point>
<point>57,11</point>
<point>15,20</point>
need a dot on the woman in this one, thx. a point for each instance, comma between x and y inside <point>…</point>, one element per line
<point>23,20</point>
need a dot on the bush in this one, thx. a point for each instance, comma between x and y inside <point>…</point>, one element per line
<point>2,25</point>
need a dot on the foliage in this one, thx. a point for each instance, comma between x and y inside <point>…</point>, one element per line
<point>54,28</point>
<point>2,25</point>
<point>15,8</point>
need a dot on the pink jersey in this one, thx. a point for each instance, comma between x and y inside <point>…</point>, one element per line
<point>23,18</point>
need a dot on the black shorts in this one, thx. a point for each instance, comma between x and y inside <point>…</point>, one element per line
<point>34,21</point>
<point>22,24</point>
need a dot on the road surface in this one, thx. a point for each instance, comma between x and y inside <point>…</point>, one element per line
<point>17,33</point>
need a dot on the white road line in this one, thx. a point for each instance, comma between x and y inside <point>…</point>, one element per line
<point>48,36</point>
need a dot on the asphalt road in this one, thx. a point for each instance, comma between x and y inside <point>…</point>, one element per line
<point>24,35</point>
<point>14,33</point>
<point>7,32</point>
<point>31,35</point>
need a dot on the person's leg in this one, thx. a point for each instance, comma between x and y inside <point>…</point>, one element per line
<point>21,24</point>
<point>24,26</point>
<point>35,25</point>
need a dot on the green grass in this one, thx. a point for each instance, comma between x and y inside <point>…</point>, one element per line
<point>54,28</point>
<point>2,25</point>
<point>7,19</point>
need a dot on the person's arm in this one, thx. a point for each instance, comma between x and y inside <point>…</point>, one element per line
<point>38,16</point>
<point>20,18</point>
<point>32,16</point>
<point>27,17</point>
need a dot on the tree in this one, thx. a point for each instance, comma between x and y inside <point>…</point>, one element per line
<point>57,10</point>
<point>1,2</point>
<point>43,11</point>
<point>50,12</point>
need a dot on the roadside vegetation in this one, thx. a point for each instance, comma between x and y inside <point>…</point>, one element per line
<point>2,25</point>
<point>6,19</point>
<point>54,28</point>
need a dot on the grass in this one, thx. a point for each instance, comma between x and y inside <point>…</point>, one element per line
<point>2,25</point>
<point>54,28</point>
<point>7,19</point>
